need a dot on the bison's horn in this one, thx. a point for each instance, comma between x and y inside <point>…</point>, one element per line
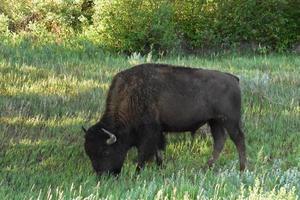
<point>112,138</point>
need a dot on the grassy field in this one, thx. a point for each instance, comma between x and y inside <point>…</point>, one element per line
<point>48,93</point>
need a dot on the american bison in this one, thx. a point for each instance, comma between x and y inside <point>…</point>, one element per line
<point>149,99</point>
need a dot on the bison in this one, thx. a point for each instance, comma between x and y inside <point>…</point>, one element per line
<point>149,99</point>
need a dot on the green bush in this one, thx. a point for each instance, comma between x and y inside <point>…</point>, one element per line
<point>3,24</point>
<point>262,22</point>
<point>194,21</point>
<point>156,25</point>
<point>54,15</point>
<point>127,25</point>
<point>225,23</point>
<point>135,25</point>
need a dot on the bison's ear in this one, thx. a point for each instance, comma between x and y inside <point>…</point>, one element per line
<point>84,130</point>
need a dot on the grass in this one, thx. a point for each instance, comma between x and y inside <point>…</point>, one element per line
<point>49,92</point>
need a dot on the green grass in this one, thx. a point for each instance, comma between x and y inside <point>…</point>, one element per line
<point>49,92</point>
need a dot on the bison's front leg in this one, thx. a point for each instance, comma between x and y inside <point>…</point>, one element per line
<point>161,149</point>
<point>151,143</point>
<point>159,157</point>
<point>145,153</point>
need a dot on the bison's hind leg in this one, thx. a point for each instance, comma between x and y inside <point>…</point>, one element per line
<point>219,137</point>
<point>237,136</point>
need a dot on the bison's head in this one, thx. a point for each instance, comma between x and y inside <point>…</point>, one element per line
<point>105,151</point>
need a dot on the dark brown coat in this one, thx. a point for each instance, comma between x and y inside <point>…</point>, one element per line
<point>149,99</point>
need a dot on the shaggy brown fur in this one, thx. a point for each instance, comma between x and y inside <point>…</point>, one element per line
<point>149,99</point>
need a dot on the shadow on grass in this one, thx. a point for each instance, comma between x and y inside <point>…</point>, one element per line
<point>39,117</point>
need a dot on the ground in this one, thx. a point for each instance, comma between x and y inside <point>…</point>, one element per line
<point>48,93</point>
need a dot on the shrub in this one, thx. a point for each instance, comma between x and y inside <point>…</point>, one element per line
<point>225,23</point>
<point>135,25</point>
<point>194,22</point>
<point>3,24</point>
<point>262,22</point>
<point>157,25</point>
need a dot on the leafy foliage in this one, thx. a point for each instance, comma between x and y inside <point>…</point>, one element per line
<point>160,26</point>
<point>226,23</point>
<point>132,25</point>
